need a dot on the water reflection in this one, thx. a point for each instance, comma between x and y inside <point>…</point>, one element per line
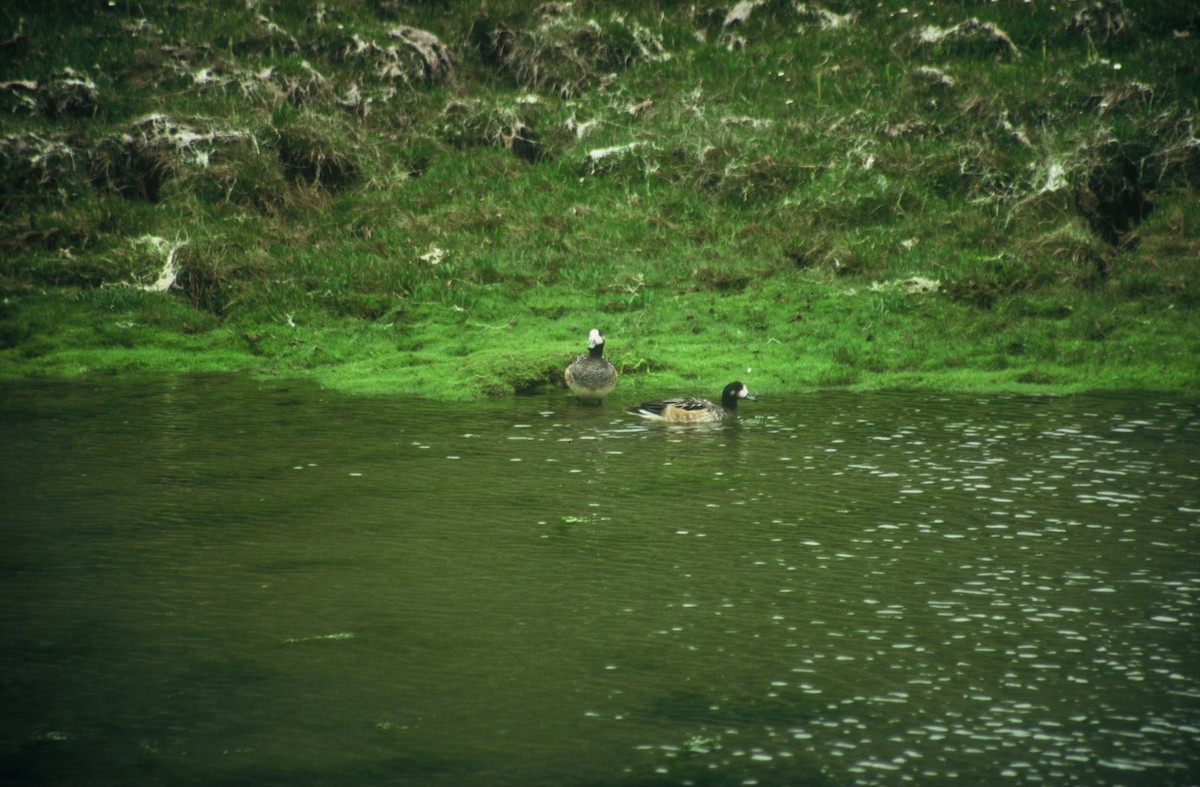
<point>214,580</point>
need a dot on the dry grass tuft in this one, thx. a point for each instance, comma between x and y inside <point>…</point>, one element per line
<point>31,163</point>
<point>969,38</point>
<point>138,163</point>
<point>315,155</point>
<point>473,123</point>
<point>560,52</point>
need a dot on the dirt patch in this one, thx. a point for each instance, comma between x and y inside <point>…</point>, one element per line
<point>1114,193</point>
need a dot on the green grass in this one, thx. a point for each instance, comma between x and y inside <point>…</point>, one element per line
<point>343,211</point>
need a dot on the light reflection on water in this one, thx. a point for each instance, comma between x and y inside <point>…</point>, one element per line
<point>212,580</point>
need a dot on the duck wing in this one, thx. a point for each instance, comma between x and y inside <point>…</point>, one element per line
<point>684,409</point>
<point>690,403</point>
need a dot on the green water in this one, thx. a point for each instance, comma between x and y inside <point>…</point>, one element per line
<point>214,581</point>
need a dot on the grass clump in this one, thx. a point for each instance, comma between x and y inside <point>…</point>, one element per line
<point>443,199</point>
<point>555,49</point>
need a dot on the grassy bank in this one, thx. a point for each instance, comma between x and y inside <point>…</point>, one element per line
<point>430,198</point>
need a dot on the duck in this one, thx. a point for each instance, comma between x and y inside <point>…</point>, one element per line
<point>591,376</point>
<point>692,410</point>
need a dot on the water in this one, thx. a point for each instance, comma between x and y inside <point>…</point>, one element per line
<point>219,581</point>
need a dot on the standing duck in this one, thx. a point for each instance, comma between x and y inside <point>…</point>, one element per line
<point>692,410</point>
<point>591,376</point>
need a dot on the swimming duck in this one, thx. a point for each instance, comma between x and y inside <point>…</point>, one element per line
<point>693,410</point>
<point>591,376</point>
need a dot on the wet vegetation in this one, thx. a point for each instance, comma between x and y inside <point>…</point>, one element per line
<point>442,198</point>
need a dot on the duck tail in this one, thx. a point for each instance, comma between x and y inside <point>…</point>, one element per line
<point>651,411</point>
